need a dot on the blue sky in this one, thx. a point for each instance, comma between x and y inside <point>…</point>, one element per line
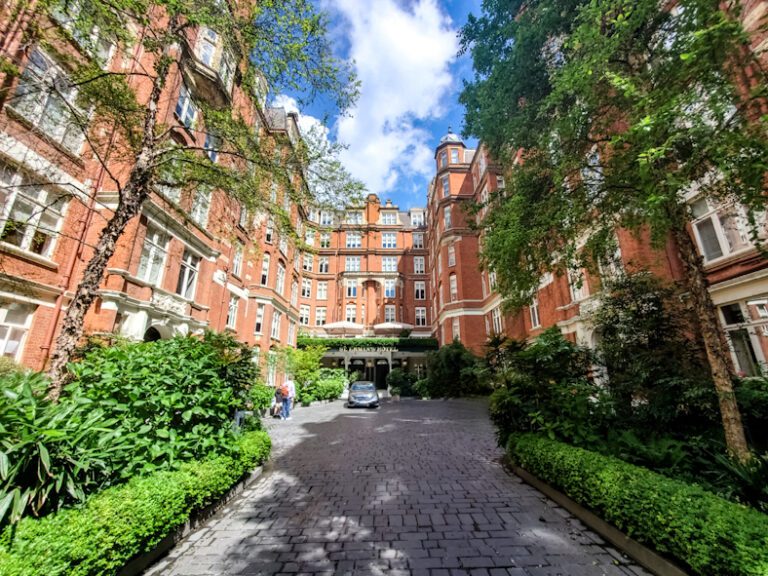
<point>405,54</point>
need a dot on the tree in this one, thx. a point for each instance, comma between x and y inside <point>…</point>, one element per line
<point>304,364</point>
<point>623,111</point>
<point>118,108</point>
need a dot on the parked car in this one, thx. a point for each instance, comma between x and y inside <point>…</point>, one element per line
<point>363,393</point>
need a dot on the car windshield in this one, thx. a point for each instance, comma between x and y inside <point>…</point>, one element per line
<point>362,386</point>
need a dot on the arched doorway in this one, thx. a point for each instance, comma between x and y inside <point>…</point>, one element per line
<point>156,332</point>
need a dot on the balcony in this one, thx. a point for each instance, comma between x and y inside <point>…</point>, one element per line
<point>210,67</point>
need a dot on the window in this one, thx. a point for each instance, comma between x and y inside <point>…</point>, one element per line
<point>389,313</point>
<point>201,202</point>
<point>418,264</point>
<point>325,240</point>
<point>351,288</point>
<point>420,290</point>
<point>212,146</point>
<point>283,245</point>
<point>234,303</point>
<point>417,219</point>
<point>287,201</point>
<point>389,288</point>
<point>326,218</point>
<point>443,159</point>
<point>421,316</point>
<point>534,310</point>
<point>206,48</point>
<point>30,215</point>
<point>185,287</point>
<point>732,314</point>
<point>309,237</point>
<point>352,264</point>
<point>291,332</point>
<point>312,216</point>
<point>322,290</point>
<point>259,319</point>
<point>153,256</point>
<point>354,240</point>
<point>237,261</point>
<point>273,192</point>
<point>308,262</point>
<point>277,316</point>
<point>354,217</point>
<point>440,263</point>
<point>389,218</point>
<point>351,313</point>
<point>496,319</point>
<point>320,315</point>
<point>186,110</point>
<point>454,287</point>
<point>389,240</point>
<point>456,329</point>
<point>500,184</point>
<point>269,233</point>
<point>454,155</point>
<point>445,185</point>
<point>577,285</point>
<point>294,293</point>
<point>492,279</point>
<point>15,319</point>
<point>451,255</point>
<point>447,216</point>
<point>242,219</point>
<point>592,174</point>
<point>272,369</point>
<point>306,288</point>
<point>280,284</point>
<point>418,241</point>
<point>389,264</point>
<point>720,231</point>
<point>265,270</point>
<point>304,312</point>
<point>322,265</point>
<point>47,99</point>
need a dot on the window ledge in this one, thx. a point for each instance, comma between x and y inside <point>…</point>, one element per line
<point>29,256</point>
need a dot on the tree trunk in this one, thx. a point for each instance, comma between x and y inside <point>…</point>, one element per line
<point>131,198</point>
<point>714,344</point>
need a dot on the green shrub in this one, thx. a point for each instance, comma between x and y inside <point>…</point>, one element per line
<point>329,385</point>
<point>261,396</point>
<point>117,524</point>
<point>346,343</point>
<point>402,381</point>
<point>752,396</point>
<point>170,396</point>
<point>712,536</point>
<point>453,371</point>
<point>52,454</point>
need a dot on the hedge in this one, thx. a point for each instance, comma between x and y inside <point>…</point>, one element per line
<point>705,532</point>
<point>347,343</point>
<point>115,525</point>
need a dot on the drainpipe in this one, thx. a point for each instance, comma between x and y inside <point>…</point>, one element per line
<point>85,224</point>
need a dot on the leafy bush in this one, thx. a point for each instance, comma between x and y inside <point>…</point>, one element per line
<point>329,385</point>
<point>52,454</point>
<point>346,343</point>
<point>752,396</point>
<point>8,366</point>
<point>169,395</point>
<point>453,371</point>
<point>711,535</point>
<point>120,522</point>
<point>261,396</point>
<point>401,381</point>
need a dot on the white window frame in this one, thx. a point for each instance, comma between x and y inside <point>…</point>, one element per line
<point>186,109</point>
<point>421,316</point>
<point>232,309</point>
<point>280,283</point>
<point>389,264</point>
<point>322,290</point>
<point>418,265</point>
<point>498,323</point>
<point>306,288</point>
<point>154,254</point>
<point>201,204</point>
<point>389,240</point>
<point>237,261</point>
<point>390,288</point>
<point>354,240</point>
<point>533,309</point>
<point>351,288</point>
<point>716,215</point>
<point>265,262</point>
<point>189,269</point>
<point>419,290</point>
<point>321,316</point>
<point>323,265</point>
<point>352,264</point>
<point>308,262</point>
<point>258,326</point>
<point>418,240</point>
<point>13,331</point>
<point>390,313</point>
<point>277,317</point>
<point>451,256</point>
<point>304,314</point>
<point>454,287</point>
<point>325,239</point>
<point>350,313</point>
<point>389,218</point>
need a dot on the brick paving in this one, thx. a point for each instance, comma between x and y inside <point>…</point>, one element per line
<point>413,488</point>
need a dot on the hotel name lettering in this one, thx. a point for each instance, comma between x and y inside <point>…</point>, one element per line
<point>382,349</point>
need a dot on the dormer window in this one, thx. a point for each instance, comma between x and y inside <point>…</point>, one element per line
<point>354,217</point>
<point>389,218</point>
<point>417,219</point>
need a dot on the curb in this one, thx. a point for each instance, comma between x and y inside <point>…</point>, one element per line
<point>138,564</point>
<point>641,554</point>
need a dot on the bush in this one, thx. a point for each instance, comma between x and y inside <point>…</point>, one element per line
<point>123,521</point>
<point>401,381</point>
<point>752,396</point>
<point>329,385</point>
<point>170,396</point>
<point>709,534</point>
<point>453,371</point>
<point>261,396</point>
<point>52,454</point>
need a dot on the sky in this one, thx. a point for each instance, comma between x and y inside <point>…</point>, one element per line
<point>405,55</point>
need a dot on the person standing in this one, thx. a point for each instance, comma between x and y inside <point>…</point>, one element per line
<point>288,391</point>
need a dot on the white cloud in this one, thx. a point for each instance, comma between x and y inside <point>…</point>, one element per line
<point>402,54</point>
<point>306,122</point>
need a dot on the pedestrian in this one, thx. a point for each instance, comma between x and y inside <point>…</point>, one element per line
<point>276,408</point>
<point>288,391</point>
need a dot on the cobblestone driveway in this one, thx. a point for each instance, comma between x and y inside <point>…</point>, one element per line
<point>412,488</point>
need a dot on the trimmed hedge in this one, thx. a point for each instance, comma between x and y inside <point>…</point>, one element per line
<point>121,522</point>
<point>347,343</point>
<point>703,531</point>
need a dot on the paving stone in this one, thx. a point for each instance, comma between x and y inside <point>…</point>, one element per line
<point>412,488</point>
